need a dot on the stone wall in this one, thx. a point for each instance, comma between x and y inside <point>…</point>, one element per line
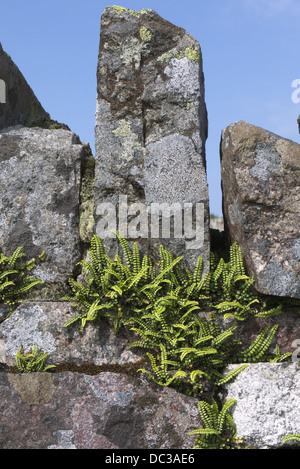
<point>150,129</point>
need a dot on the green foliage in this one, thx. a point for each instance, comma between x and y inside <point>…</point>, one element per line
<point>232,290</point>
<point>118,290</point>
<point>219,430</point>
<point>32,361</point>
<point>176,314</point>
<point>14,279</point>
<point>292,437</point>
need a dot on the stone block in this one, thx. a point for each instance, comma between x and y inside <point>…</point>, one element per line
<point>150,133</point>
<point>40,183</point>
<point>261,204</point>
<point>42,324</point>
<point>104,411</point>
<point>268,403</point>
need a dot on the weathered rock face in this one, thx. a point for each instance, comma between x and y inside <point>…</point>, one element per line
<point>106,411</point>
<point>40,180</point>
<point>151,127</point>
<point>18,105</point>
<point>42,324</point>
<point>261,204</point>
<point>268,403</point>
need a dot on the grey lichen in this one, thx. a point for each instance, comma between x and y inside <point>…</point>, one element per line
<point>130,141</point>
<point>87,221</point>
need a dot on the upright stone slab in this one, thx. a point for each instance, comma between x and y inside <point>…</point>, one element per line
<point>261,205</point>
<point>41,183</point>
<point>18,104</point>
<point>151,127</point>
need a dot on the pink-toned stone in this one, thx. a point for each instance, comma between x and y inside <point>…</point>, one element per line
<point>105,411</point>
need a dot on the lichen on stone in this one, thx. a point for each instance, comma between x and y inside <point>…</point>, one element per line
<point>130,141</point>
<point>123,129</point>
<point>87,221</point>
<point>119,10</point>
<point>190,52</point>
<point>145,34</point>
<point>131,52</point>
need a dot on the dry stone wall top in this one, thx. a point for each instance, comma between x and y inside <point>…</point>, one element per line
<point>151,127</point>
<point>18,104</point>
<point>40,206</point>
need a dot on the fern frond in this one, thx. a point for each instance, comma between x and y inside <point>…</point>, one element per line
<point>231,375</point>
<point>136,259</point>
<point>292,437</point>
<point>126,250</point>
<point>272,312</point>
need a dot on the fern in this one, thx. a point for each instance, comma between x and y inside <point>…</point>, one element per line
<point>163,376</point>
<point>219,430</point>
<point>32,361</point>
<point>256,351</point>
<point>292,437</point>
<point>162,306</point>
<point>14,279</point>
<point>231,375</point>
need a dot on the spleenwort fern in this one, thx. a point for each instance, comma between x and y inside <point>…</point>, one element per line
<point>219,430</point>
<point>14,279</point>
<point>165,307</point>
<point>292,437</point>
<point>32,361</point>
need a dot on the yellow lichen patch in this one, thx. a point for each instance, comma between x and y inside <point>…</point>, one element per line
<point>145,34</point>
<point>190,52</point>
<point>130,140</point>
<point>120,10</point>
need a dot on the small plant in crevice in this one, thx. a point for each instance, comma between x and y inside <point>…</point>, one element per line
<point>232,289</point>
<point>32,361</point>
<point>219,430</point>
<point>15,280</point>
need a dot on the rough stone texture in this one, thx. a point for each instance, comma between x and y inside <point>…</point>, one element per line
<point>268,403</point>
<point>151,127</point>
<point>21,105</point>
<point>42,324</point>
<point>287,336</point>
<point>40,183</point>
<point>261,200</point>
<point>105,411</point>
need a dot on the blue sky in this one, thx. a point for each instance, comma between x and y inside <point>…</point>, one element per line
<point>250,54</point>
